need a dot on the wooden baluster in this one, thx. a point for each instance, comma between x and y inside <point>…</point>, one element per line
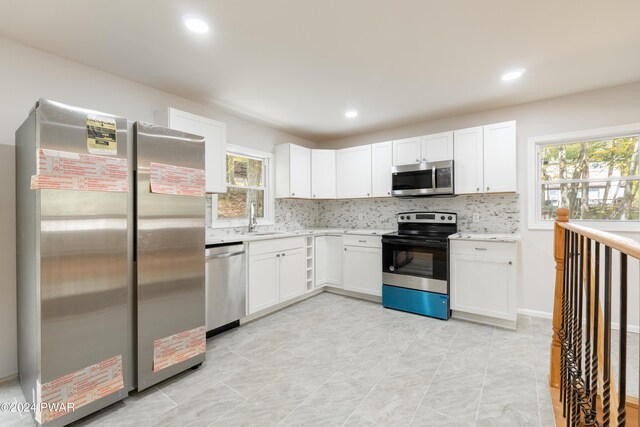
<point>559,251</point>
<point>622,372</point>
<point>606,394</point>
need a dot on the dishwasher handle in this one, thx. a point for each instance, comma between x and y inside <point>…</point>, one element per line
<point>224,255</point>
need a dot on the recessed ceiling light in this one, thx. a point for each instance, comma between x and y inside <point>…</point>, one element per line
<point>196,25</point>
<point>351,114</point>
<point>513,75</point>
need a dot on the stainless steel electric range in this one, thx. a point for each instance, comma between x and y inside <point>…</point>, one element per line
<point>415,263</point>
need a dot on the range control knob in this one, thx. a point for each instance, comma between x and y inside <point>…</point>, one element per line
<point>449,217</point>
<point>408,216</point>
<point>442,217</point>
<point>402,217</point>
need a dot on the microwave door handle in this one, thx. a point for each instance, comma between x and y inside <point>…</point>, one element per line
<point>433,179</point>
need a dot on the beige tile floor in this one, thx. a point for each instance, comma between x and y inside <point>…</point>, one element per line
<point>333,360</point>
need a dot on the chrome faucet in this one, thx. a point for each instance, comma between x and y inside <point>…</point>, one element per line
<point>252,217</point>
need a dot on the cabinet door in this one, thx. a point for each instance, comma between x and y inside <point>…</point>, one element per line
<point>484,286</point>
<point>263,281</point>
<point>300,172</point>
<point>407,151</point>
<point>323,174</point>
<point>437,147</point>
<point>467,158</point>
<point>381,162</point>
<point>362,270</point>
<point>334,261</point>
<point>320,260</point>
<point>353,171</point>
<point>293,273</point>
<point>215,137</point>
<point>500,158</point>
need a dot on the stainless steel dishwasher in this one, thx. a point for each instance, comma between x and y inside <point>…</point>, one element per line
<point>226,286</point>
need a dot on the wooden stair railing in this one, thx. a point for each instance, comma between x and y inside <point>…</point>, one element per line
<point>581,377</point>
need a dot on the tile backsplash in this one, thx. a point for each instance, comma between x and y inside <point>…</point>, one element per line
<point>499,213</point>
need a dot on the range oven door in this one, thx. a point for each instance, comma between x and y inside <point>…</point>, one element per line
<point>422,179</point>
<point>415,264</point>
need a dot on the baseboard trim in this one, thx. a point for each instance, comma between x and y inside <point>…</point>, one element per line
<point>278,307</point>
<point>8,377</point>
<point>344,292</point>
<point>633,329</point>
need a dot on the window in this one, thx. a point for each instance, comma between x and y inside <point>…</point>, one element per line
<point>594,174</point>
<point>248,180</point>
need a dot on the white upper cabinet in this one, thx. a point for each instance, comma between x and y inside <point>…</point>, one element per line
<point>485,159</point>
<point>437,147</point>
<point>215,136</point>
<point>381,162</point>
<point>353,172</point>
<point>500,158</point>
<point>293,171</point>
<point>468,160</point>
<point>407,151</point>
<point>323,174</point>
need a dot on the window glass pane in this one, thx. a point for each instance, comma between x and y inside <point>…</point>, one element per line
<point>615,157</point>
<point>234,204</point>
<point>244,171</point>
<point>605,200</point>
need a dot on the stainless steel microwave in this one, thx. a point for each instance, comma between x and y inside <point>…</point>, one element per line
<point>423,179</point>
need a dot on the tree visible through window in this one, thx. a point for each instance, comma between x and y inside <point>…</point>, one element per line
<point>246,182</point>
<point>595,179</point>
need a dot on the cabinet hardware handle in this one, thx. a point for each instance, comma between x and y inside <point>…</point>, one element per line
<point>362,241</point>
<point>388,193</point>
<point>510,263</point>
<point>478,189</point>
<point>283,254</point>
<point>368,194</point>
<point>293,194</point>
<point>417,160</point>
<point>481,249</point>
<point>345,249</point>
<point>314,195</point>
<point>278,256</point>
<point>487,188</point>
<point>424,160</point>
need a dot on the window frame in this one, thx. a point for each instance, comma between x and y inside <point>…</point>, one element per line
<point>534,182</point>
<point>269,201</point>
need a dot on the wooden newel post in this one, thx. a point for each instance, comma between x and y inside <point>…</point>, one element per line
<point>562,215</point>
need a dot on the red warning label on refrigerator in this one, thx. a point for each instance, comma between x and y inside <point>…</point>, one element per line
<point>176,180</point>
<point>72,391</point>
<point>61,170</point>
<point>178,348</point>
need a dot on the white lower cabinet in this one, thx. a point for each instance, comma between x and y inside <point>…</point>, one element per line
<point>293,274</point>
<point>362,264</point>
<point>277,272</point>
<point>263,281</point>
<point>328,261</point>
<point>483,281</point>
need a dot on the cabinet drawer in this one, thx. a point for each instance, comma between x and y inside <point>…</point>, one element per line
<point>480,248</point>
<point>276,245</point>
<point>365,241</point>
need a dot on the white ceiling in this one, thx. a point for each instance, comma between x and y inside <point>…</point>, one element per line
<point>300,64</point>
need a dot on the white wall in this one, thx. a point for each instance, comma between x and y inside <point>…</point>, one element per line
<point>599,108</point>
<point>28,74</point>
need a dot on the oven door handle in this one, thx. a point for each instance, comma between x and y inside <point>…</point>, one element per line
<point>408,242</point>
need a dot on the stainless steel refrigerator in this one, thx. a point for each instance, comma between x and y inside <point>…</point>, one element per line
<point>110,273</point>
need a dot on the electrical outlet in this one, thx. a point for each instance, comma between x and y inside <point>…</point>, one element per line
<point>288,216</point>
<point>361,217</point>
<point>476,217</point>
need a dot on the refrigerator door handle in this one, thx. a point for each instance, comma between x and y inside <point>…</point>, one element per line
<point>227,255</point>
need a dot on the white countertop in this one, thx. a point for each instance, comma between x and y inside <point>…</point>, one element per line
<point>267,235</point>
<point>486,237</point>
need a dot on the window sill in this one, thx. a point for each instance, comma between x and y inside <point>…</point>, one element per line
<point>237,223</point>
<point>626,227</point>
